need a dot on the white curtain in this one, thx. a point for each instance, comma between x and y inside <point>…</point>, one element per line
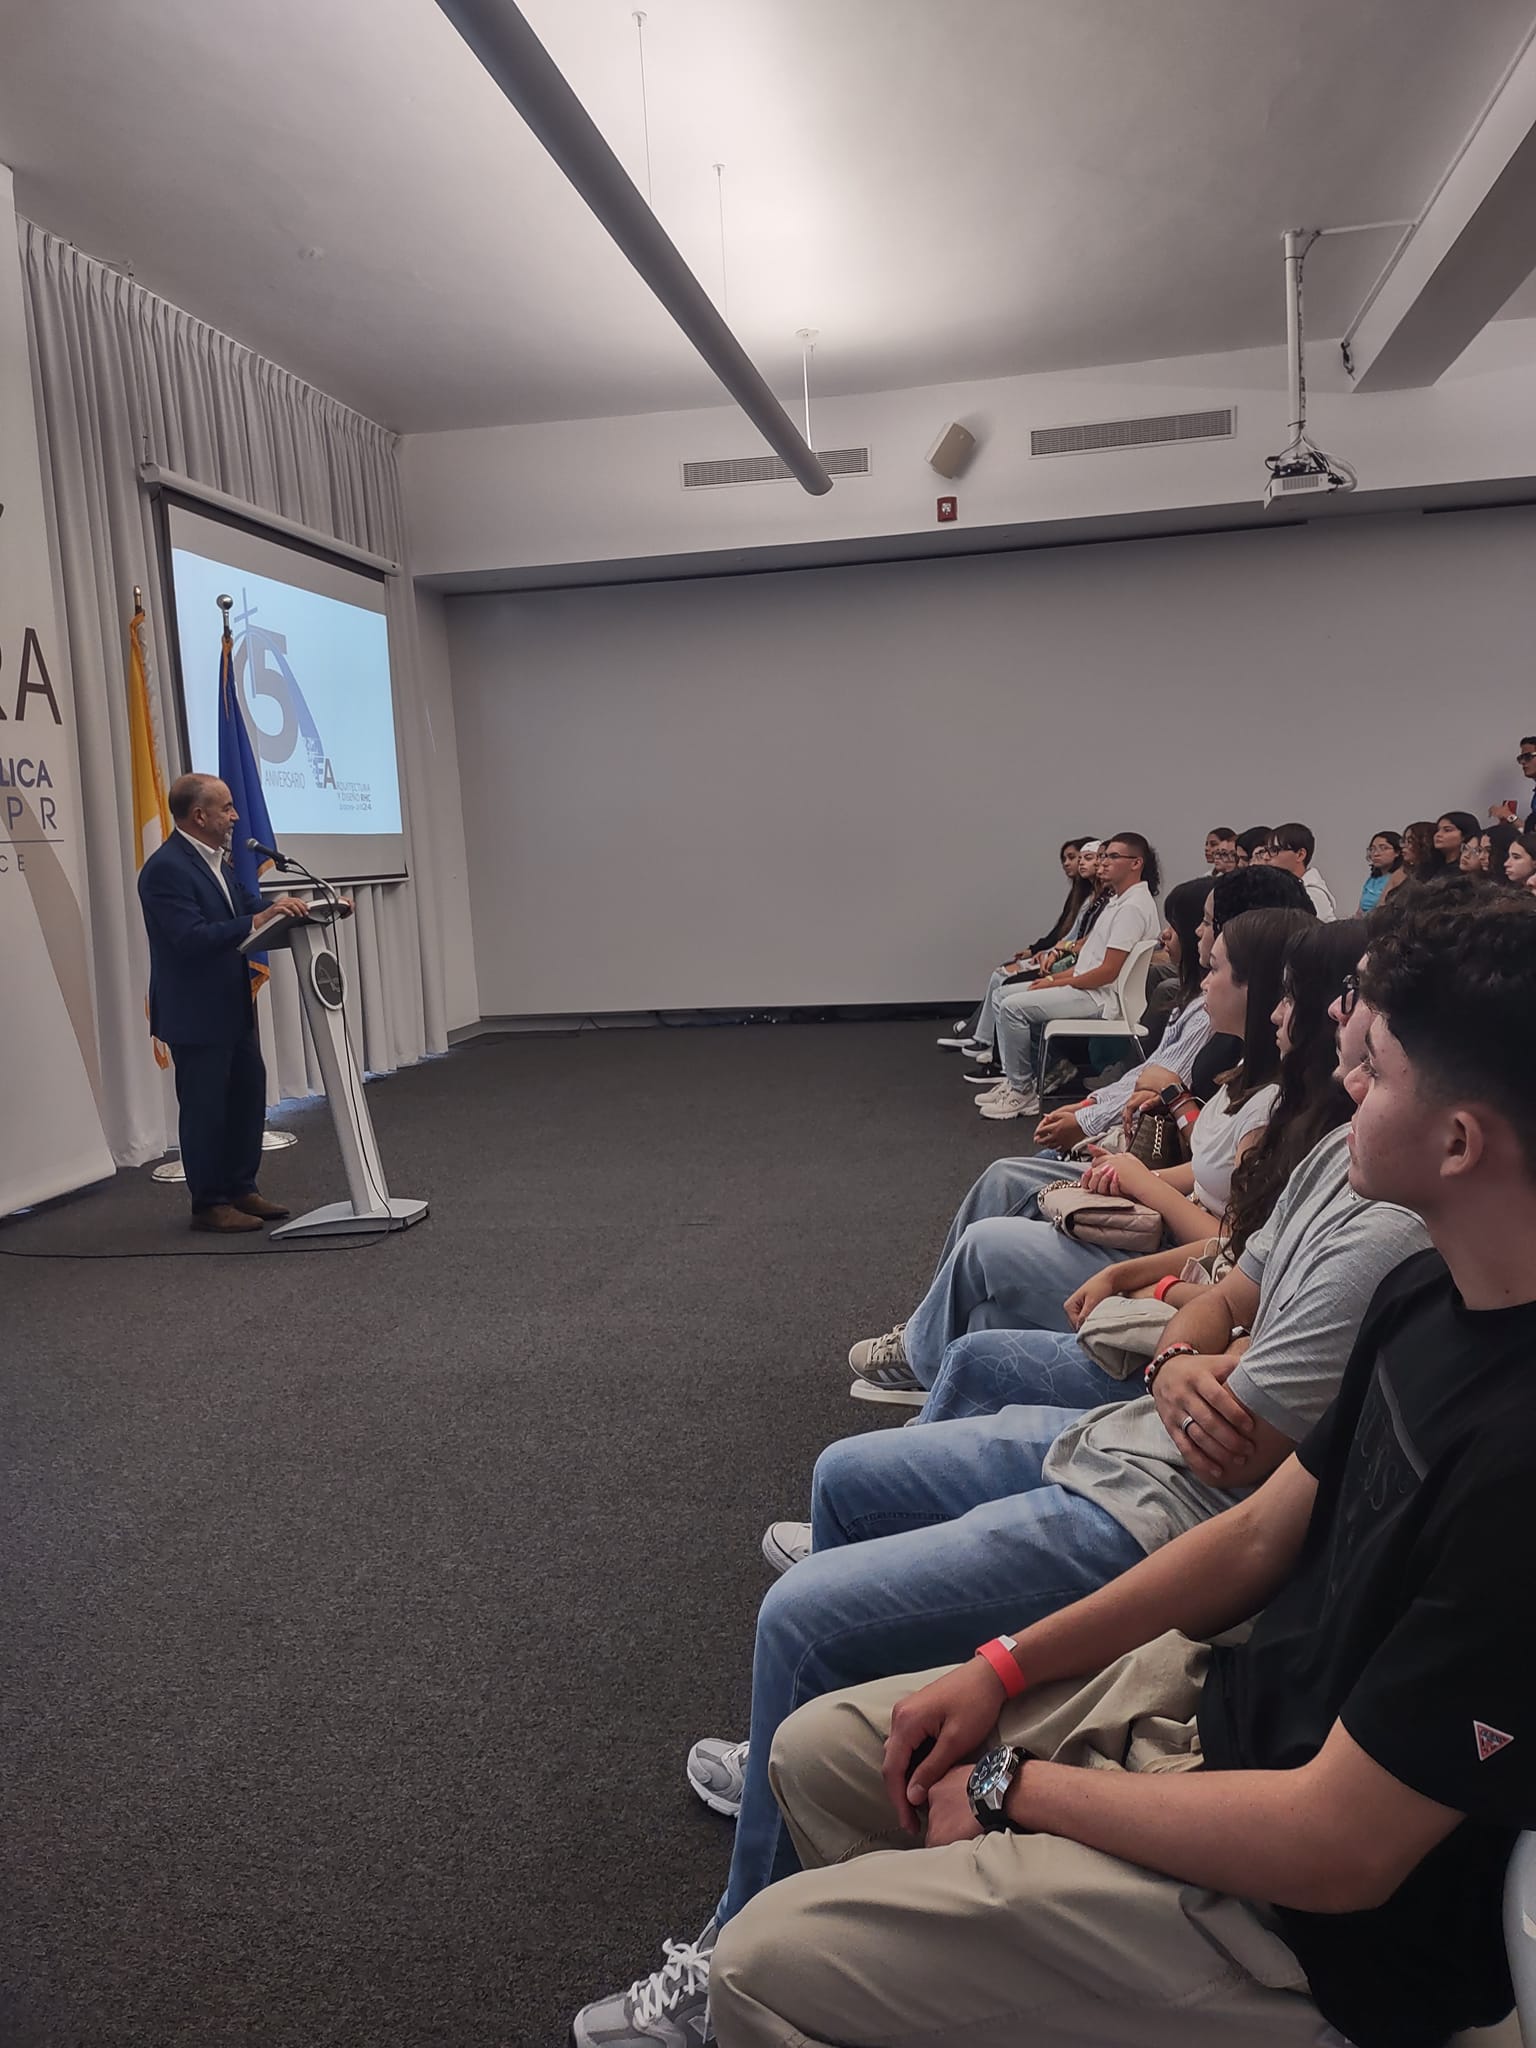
<point>123,378</point>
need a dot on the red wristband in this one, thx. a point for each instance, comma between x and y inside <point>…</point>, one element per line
<point>1160,1291</point>
<point>999,1654</point>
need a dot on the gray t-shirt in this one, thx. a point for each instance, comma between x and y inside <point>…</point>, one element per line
<point>1317,1261</point>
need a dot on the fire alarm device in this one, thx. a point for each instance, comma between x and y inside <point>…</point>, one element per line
<point>949,508</point>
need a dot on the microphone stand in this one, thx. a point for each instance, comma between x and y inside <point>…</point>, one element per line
<point>289,866</point>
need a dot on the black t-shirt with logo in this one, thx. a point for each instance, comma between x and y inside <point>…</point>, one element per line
<point>1410,1618</point>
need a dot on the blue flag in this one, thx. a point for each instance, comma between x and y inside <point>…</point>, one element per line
<point>237,768</point>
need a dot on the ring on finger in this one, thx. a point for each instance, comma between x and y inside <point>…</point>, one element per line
<point>1187,1424</point>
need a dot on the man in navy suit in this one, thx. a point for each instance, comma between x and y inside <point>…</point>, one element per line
<point>196,912</point>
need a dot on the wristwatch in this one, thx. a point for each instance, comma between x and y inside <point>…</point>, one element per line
<point>990,1782</point>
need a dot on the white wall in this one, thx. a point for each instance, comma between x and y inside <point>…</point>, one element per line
<point>460,996</point>
<point>848,785</point>
<point>610,490</point>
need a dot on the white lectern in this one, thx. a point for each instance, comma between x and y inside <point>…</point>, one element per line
<point>323,988</point>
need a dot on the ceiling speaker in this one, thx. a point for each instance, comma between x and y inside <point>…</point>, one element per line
<point>952,450</point>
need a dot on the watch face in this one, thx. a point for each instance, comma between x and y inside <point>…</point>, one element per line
<point>993,1770</point>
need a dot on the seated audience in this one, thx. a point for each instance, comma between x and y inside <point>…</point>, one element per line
<point>1010,1187</point>
<point>1496,842</point>
<point>1220,839</point>
<point>1520,861</point>
<point>1013,1273</point>
<point>1018,1545</point>
<point>1252,843</point>
<point>1279,1836</point>
<point>1174,982</point>
<point>1128,867</point>
<point>1291,848</point>
<point>1452,828</point>
<point>974,1034</point>
<point>1385,855</point>
<point>1420,860</point>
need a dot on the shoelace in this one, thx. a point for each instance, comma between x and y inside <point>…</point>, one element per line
<point>734,1757</point>
<point>684,1974</point>
<point>887,1350</point>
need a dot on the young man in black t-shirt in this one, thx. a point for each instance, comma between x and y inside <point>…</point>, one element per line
<point>1295,1840</point>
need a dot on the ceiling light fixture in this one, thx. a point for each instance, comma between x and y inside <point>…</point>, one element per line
<point>807,338</point>
<point>513,55</point>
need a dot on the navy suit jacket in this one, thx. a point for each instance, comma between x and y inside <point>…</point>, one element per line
<point>199,983</point>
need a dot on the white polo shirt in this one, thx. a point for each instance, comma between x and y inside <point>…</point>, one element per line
<point>1128,920</point>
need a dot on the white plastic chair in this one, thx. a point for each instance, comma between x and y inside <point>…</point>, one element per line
<point>1520,1933</point>
<point>1130,993</point>
<point>1520,1946</point>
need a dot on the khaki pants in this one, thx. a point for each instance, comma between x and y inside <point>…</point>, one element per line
<point>1023,1941</point>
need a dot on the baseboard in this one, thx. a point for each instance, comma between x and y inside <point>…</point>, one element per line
<point>567,1026</point>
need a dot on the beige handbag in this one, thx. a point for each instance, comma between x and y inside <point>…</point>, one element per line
<point>1111,1223</point>
<point>1121,1334</point>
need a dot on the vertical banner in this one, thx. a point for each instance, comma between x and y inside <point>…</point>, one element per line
<point>50,1077</point>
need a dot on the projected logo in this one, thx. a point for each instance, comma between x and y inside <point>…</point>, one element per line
<point>262,671</point>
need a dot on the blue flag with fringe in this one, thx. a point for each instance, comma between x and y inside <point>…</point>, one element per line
<point>237,768</point>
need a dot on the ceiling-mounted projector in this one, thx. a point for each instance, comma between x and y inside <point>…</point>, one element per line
<point>1301,469</point>
<point>1308,482</point>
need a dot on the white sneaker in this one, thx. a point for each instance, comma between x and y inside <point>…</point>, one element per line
<point>895,1397</point>
<point>786,1543</point>
<point>962,1043</point>
<point>1010,1102</point>
<point>716,1771</point>
<point>668,2009</point>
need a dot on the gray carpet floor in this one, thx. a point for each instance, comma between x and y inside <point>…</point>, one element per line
<point>359,1606</point>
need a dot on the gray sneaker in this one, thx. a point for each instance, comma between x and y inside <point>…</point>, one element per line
<point>785,1543</point>
<point>668,2009</point>
<point>880,1363</point>
<point>717,1771</point>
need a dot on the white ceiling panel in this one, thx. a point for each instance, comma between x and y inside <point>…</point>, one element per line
<point>945,188</point>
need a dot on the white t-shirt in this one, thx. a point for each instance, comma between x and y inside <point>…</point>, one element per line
<point>1214,1141</point>
<point>1127,921</point>
<point>1322,897</point>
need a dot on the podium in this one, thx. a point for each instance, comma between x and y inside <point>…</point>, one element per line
<point>323,989</point>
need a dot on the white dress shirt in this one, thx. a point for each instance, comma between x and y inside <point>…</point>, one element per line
<point>214,855</point>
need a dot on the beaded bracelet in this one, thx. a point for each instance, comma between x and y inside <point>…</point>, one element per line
<point>1162,1358</point>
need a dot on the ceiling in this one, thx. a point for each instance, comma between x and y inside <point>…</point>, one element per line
<point>947,189</point>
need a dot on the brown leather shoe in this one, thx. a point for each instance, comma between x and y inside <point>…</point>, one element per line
<point>222,1217</point>
<point>258,1205</point>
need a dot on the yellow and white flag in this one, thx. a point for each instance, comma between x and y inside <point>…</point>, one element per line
<point>151,813</point>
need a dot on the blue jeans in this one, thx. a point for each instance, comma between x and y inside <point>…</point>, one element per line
<point>926,1542</point>
<point>994,1369</point>
<point>1019,1010</point>
<point>1002,1273</point>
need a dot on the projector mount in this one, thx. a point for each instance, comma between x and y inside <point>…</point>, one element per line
<point>1301,468</point>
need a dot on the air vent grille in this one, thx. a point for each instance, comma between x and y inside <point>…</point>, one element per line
<point>768,469</point>
<point>1219,424</point>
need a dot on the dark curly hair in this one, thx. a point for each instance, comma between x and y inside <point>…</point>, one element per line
<point>1311,1101</point>
<point>1454,976</point>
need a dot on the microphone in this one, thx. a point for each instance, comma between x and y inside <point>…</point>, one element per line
<point>297,867</point>
<point>270,853</point>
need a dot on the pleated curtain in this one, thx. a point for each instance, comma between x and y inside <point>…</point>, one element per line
<point>123,378</point>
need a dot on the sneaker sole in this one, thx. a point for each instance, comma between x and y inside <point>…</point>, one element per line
<point>892,1397</point>
<point>781,1560</point>
<point>731,1809</point>
<point>980,1080</point>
